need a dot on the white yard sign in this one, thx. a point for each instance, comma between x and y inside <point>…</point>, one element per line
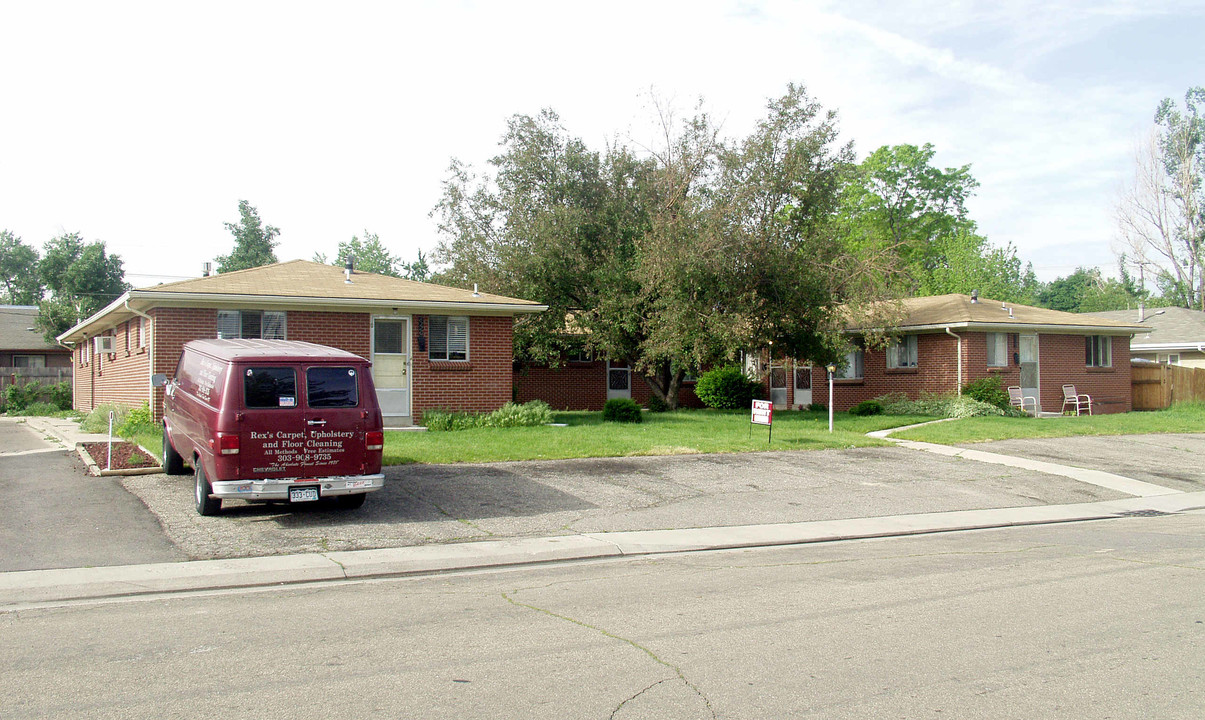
<point>763,412</point>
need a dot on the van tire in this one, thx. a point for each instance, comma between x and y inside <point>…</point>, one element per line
<point>173,464</point>
<point>350,502</point>
<point>205,505</point>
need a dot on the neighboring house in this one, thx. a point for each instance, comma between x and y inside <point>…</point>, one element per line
<point>1172,335</point>
<point>431,346</point>
<point>23,346</point>
<point>946,341</point>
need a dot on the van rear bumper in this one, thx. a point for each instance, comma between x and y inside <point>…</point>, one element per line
<point>278,488</point>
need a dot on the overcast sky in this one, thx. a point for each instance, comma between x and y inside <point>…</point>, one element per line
<point>144,124</point>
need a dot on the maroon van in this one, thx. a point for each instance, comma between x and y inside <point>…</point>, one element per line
<point>272,420</point>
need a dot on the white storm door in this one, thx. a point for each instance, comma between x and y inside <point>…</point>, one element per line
<point>778,386</point>
<point>1030,382</point>
<point>391,365</point>
<point>619,381</point>
<point>803,386</point>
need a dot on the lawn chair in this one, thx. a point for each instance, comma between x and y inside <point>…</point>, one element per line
<point>1016,399</point>
<point>1078,401</point>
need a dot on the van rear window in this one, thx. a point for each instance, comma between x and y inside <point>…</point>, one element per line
<point>331,387</point>
<point>270,387</point>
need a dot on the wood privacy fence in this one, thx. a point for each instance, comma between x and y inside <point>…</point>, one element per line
<point>25,375</point>
<point>1158,386</point>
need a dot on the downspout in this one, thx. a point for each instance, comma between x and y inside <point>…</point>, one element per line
<point>150,358</point>
<point>959,339</point>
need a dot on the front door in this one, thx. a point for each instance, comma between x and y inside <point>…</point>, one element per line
<point>1030,384</point>
<point>803,386</point>
<point>778,386</point>
<point>391,368</point>
<point>619,380</point>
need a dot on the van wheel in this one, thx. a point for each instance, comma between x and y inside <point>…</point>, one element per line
<point>205,504</point>
<point>173,464</point>
<point>350,502</point>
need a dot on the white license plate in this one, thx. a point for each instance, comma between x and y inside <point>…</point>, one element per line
<point>303,494</point>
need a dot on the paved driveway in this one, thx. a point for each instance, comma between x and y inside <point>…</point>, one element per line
<point>1172,460</point>
<point>451,503</point>
<point>57,516</point>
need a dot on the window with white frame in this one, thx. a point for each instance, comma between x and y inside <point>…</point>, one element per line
<point>901,352</point>
<point>1098,351</point>
<point>141,332</point>
<point>850,368</point>
<point>251,324</point>
<point>449,338</point>
<point>997,349</point>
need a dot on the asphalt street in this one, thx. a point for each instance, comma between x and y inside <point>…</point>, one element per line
<point>1088,620</point>
<point>57,516</point>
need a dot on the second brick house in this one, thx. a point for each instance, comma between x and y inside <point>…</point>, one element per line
<point>431,346</point>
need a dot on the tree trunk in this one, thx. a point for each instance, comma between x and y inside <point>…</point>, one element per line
<point>665,384</point>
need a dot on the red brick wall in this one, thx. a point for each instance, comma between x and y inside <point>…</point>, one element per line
<point>583,386</point>
<point>1060,361</point>
<point>121,377</point>
<point>481,383</point>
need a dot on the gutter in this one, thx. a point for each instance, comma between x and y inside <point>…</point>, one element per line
<point>959,339</point>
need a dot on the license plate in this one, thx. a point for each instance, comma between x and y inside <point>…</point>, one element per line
<point>303,494</point>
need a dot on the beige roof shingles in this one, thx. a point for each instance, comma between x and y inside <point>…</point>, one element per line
<point>302,284</point>
<point>957,310</point>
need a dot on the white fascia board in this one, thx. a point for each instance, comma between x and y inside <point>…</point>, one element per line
<point>111,307</point>
<point>1010,327</point>
<point>1169,346</point>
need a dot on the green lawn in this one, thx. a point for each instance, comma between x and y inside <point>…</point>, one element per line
<point>685,431</point>
<point>1183,418</point>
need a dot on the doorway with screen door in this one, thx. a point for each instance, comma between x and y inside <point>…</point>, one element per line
<point>391,368</point>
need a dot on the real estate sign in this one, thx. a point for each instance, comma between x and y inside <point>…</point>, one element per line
<point>763,412</point>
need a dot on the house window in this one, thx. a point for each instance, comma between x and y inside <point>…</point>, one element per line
<point>141,332</point>
<point>901,353</point>
<point>997,350</point>
<point>1098,351</point>
<point>449,338</point>
<point>851,367</point>
<point>29,361</point>
<point>1173,359</point>
<point>578,355</point>
<point>251,325</point>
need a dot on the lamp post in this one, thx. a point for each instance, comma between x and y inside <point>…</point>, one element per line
<point>831,369</point>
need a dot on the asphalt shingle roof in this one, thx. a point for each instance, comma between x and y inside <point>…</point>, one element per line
<point>1164,325</point>
<point>17,329</point>
<point>958,309</point>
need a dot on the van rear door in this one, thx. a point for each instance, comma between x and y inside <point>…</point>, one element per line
<point>335,420</point>
<point>272,431</point>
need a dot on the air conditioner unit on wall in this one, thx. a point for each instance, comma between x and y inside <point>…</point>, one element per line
<point>104,343</point>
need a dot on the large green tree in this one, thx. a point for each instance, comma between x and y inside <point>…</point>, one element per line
<point>254,242</point>
<point>372,256</point>
<point>671,258</point>
<point>1087,290</point>
<point>896,200</point>
<point>81,277</point>
<point>19,281</point>
<point>1161,214</point>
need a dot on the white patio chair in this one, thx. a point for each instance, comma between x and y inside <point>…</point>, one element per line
<point>1017,399</point>
<point>1078,401</point>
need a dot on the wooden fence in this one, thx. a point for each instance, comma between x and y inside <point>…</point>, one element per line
<point>24,376</point>
<point>1158,386</point>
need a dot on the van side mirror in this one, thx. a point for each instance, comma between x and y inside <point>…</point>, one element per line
<point>158,380</point>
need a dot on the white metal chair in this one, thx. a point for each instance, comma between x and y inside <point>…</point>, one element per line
<point>1017,399</point>
<point>1075,400</point>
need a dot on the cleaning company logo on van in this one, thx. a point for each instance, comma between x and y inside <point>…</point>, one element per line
<point>289,449</point>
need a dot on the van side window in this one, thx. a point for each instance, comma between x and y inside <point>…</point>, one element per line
<point>331,387</point>
<point>270,387</point>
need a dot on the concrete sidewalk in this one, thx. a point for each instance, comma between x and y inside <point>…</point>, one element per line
<point>20,590</point>
<point>63,430</point>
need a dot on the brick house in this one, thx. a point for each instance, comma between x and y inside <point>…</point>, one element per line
<point>585,383</point>
<point>946,341</point>
<point>1171,335</point>
<point>431,346</point>
<point>22,346</point>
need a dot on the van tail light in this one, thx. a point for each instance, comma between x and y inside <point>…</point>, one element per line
<point>374,440</point>
<point>227,444</point>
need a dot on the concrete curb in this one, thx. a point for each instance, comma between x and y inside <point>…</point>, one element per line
<point>40,587</point>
